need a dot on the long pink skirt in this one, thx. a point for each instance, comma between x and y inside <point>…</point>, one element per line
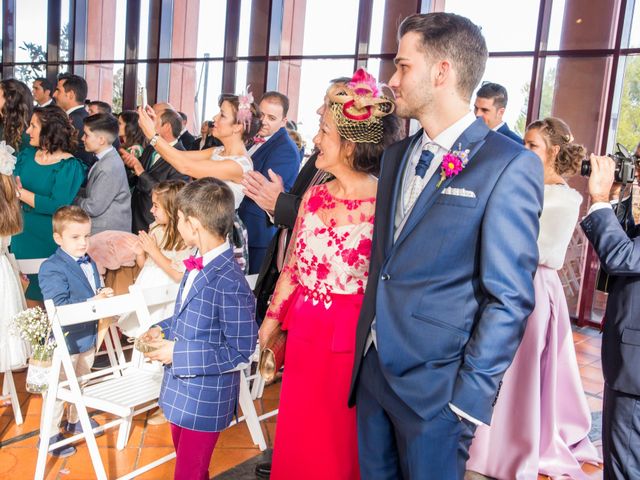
<point>316,434</point>
<point>541,420</point>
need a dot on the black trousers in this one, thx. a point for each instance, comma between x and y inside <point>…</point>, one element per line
<point>621,435</point>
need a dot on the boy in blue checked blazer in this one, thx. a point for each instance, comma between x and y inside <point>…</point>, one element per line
<point>212,331</point>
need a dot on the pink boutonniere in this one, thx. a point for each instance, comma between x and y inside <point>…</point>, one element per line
<point>452,164</point>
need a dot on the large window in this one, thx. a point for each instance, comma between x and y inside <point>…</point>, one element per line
<point>575,59</point>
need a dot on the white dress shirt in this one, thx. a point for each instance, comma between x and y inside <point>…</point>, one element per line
<point>498,127</point>
<point>45,104</point>
<point>206,259</point>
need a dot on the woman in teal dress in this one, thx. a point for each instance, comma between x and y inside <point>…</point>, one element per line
<point>16,108</point>
<point>48,177</point>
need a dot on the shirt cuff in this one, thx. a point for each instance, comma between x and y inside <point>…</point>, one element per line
<point>466,416</point>
<point>598,206</point>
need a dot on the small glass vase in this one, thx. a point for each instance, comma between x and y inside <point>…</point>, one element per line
<point>38,371</point>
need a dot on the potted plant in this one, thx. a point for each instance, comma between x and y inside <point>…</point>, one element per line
<point>33,325</point>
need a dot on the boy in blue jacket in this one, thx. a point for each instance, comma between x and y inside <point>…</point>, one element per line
<point>70,276</point>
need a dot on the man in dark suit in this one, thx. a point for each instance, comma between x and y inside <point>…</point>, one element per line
<point>452,263</point>
<point>152,169</point>
<point>490,104</point>
<point>205,140</point>
<point>619,254</point>
<point>70,94</point>
<point>276,153</point>
<point>42,90</point>
<point>186,138</point>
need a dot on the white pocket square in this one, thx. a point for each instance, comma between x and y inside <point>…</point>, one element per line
<point>458,192</point>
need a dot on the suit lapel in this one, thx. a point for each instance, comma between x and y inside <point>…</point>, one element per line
<point>397,176</point>
<point>262,152</point>
<point>472,139</point>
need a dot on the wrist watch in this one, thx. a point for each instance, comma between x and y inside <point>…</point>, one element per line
<point>154,140</point>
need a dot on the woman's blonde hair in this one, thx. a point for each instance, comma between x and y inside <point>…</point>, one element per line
<point>555,132</point>
<point>10,212</point>
<point>167,192</point>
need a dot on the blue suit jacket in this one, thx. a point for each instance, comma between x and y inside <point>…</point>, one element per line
<point>452,294</point>
<point>214,330</point>
<point>282,156</point>
<point>505,130</point>
<point>619,255</point>
<point>63,281</point>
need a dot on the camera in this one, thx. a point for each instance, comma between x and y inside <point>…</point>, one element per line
<point>210,123</point>
<point>625,165</point>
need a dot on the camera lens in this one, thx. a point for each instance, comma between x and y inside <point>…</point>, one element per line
<point>585,168</point>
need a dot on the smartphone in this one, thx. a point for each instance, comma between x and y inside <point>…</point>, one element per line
<point>142,97</point>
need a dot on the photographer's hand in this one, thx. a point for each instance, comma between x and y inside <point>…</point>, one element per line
<point>601,179</point>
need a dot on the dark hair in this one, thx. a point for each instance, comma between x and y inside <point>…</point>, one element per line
<point>66,215</point>
<point>57,132</point>
<point>367,155</point>
<point>16,112</point>
<point>45,84</point>
<point>254,125</point>
<point>211,202</point>
<point>555,132</point>
<point>277,97</point>
<point>451,36</point>
<point>132,132</point>
<point>183,115</point>
<point>103,107</point>
<point>104,123</point>
<point>174,119</point>
<point>494,91</point>
<point>75,84</point>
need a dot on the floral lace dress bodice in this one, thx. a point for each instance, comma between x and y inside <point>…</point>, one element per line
<point>331,252</point>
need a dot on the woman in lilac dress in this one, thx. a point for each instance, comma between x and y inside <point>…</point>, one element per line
<point>541,419</point>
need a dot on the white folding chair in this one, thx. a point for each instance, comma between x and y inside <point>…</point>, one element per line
<point>125,396</point>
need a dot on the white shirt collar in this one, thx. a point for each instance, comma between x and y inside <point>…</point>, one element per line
<point>183,130</point>
<point>73,109</point>
<point>214,253</point>
<point>45,104</point>
<point>447,137</point>
<point>498,127</point>
<point>174,142</point>
<point>104,152</point>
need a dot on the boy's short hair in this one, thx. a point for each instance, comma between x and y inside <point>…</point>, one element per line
<point>68,214</point>
<point>104,123</point>
<point>211,202</point>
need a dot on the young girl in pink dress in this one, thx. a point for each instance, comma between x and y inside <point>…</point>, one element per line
<point>319,293</point>
<point>541,420</point>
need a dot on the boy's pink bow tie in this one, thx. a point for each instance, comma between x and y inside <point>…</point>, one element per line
<point>193,263</point>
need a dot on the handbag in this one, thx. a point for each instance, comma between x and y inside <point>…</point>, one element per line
<point>272,355</point>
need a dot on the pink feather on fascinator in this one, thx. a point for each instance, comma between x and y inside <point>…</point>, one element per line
<point>245,100</point>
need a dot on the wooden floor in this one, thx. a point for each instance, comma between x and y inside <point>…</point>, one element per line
<point>18,443</point>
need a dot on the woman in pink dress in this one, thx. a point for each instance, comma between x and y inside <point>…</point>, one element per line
<point>319,293</point>
<point>541,419</point>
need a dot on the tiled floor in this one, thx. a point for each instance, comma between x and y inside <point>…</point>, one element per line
<point>147,442</point>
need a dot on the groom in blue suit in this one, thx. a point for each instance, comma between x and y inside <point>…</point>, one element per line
<point>453,259</point>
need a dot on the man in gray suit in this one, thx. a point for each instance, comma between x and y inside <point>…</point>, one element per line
<point>106,198</point>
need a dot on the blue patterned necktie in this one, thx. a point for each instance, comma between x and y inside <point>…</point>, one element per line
<point>415,188</point>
